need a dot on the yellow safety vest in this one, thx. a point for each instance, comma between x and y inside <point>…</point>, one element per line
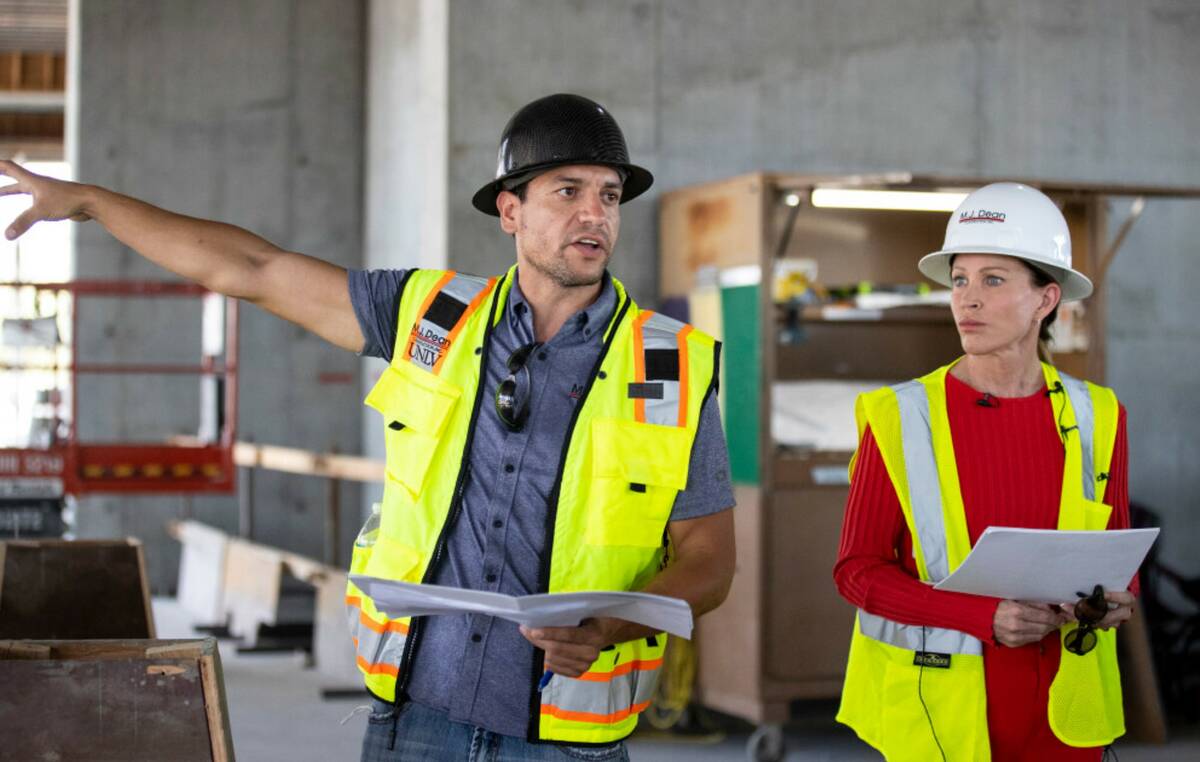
<point>625,459</point>
<point>904,683</point>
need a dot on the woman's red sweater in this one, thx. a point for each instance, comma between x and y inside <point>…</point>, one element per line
<point>1010,464</point>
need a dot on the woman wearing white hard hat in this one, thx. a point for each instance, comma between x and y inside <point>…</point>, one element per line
<point>996,438</point>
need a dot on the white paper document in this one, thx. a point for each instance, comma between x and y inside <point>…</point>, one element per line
<point>1048,565</point>
<point>397,599</point>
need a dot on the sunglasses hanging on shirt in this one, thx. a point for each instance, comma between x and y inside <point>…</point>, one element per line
<point>512,394</point>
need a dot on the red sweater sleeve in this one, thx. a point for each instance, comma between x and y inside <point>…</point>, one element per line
<point>875,569</point>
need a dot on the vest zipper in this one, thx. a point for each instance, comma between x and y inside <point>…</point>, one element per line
<point>439,548</point>
<point>552,512</point>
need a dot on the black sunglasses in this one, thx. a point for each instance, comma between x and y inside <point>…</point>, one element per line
<point>512,398</point>
<point>1089,610</point>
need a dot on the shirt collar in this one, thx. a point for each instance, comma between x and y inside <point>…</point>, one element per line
<point>584,325</point>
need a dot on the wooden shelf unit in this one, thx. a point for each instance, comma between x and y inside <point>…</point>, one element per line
<point>784,632</point>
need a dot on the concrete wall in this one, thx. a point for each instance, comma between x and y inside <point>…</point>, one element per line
<point>1085,90</point>
<point>249,113</point>
<point>252,112</point>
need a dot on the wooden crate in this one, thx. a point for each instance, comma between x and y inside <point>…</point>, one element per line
<point>113,700</point>
<point>74,589</point>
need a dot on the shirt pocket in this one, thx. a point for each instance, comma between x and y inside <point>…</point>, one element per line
<point>637,469</point>
<point>416,406</point>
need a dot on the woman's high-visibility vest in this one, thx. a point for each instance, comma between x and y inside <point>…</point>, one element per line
<point>909,689</point>
<point>624,460</point>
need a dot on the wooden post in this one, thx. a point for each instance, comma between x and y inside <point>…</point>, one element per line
<point>333,515</point>
<point>246,504</point>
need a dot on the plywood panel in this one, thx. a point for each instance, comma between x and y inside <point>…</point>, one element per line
<point>883,349</point>
<point>715,225</point>
<point>808,630</point>
<point>113,701</point>
<point>853,245</point>
<point>70,589</point>
<point>728,639</point>
<point>201,570</point>
<point>253,575</point>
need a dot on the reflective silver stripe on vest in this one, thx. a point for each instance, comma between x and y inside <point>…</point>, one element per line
<point>925,497</point>
<point>609,701</point>
<point>371,647</point>
<point>660,343</point>
<point>920,466</point>
<point>1081,403</point>
<point>908,636</point>
<point>430,336</point>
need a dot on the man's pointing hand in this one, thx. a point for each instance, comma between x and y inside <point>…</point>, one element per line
<point>52,199</point>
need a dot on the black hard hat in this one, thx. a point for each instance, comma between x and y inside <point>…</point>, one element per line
<point>557,130</point>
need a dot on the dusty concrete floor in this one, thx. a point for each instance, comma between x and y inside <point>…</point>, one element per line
<point>277,713</point>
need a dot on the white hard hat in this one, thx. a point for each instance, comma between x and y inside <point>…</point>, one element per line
<point>1013,220</point>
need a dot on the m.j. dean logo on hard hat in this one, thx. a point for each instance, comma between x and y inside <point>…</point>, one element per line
<point>980,215</point>
<point>1032,229</point>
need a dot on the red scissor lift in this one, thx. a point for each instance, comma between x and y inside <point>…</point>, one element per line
<point>37,477</point>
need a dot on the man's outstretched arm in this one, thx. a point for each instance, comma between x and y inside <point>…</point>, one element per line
<point>224,258</point>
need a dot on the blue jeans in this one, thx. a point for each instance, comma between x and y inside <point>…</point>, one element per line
<point>423,734</point>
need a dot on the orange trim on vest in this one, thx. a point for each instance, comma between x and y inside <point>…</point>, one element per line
<point>681,339</point>
<point>462,321</point>
<point>437,289</point>
<point>639,364</point>
<point>603,719</point>
<point>377,669</point>
<point>392,625</point>
<point>621,669</point>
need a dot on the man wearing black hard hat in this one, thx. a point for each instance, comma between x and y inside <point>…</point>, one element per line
<point>557,130</point>
<point>544,434</point>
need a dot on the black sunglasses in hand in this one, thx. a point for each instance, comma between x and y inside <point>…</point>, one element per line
<point>1089,610</point>
<point>512,394</point>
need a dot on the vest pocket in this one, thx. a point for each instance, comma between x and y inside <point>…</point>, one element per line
<point>1085,707</point>
<point>1095,515</point>
<point>393,560</point>
<point>924,708</point>
<point>415,405</point>
<point>637,469</point>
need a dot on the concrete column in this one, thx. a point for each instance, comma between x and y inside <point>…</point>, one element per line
<point>407,142</point>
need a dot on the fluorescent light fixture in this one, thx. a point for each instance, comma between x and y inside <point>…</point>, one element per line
<point>857,198</point>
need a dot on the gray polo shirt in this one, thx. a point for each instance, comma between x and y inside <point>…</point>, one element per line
<point>476,668</point>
